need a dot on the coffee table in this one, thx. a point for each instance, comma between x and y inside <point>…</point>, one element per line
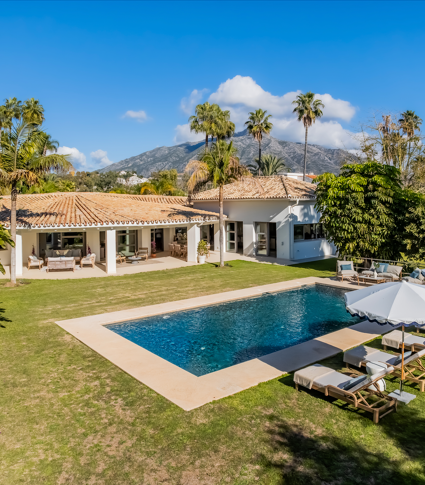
<point>372,279</point>
<point>134,259</point>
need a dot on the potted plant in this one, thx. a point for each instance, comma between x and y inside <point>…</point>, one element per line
<point>202,251</point>
<point>153,252</point>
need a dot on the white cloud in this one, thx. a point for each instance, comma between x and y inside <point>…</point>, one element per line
<point>77,158</point>
<point>188,104</point>
<point>100,157</point>
<point>184,134</point>
<point>139,116</point>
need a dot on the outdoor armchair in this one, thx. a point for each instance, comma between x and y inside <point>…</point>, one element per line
<point>362,392</point>
<point>121,258</point>
<point>143,253</point>
<point>414,370</point>
<point>34,261</point>
<point>346,269</point>
<point>89,259</point>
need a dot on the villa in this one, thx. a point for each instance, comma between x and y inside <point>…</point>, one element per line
<point>266,216</point>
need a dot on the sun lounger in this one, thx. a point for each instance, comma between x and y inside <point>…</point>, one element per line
<point>394,339</point>
<point>360,356</point>
<point>360,391</point>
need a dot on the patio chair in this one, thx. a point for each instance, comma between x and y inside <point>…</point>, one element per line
<point>121,258</point>
<point>89,259</point>
<point>177,250</point>
<point>360,391</point>
<point>360,356</point>
<point>394,340</point>
<point>183,252</point>
<point>143,253</point>
<point>346,269</point>
<point>34,261</point>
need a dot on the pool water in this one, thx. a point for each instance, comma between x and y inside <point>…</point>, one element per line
<point>210,338</point>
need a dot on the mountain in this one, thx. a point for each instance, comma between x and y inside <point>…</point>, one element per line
<point>319,159</point>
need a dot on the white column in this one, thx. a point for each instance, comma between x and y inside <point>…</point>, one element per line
<point>193,238</point>
<point>18,246</point>
<point>146,239</point>
<point>111,251</point>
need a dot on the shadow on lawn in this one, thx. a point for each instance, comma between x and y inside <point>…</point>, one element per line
<point>3,318</point>
<point>311,453</point>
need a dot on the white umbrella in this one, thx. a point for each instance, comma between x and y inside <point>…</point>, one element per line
<point>399,304</point>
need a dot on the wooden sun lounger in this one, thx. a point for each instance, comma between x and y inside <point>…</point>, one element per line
<point>413,363</point>
<point>359,396</point>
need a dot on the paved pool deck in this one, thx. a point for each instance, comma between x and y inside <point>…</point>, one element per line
<point>185,389</point>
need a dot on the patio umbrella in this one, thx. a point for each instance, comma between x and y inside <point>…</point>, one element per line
<point>398,304</point>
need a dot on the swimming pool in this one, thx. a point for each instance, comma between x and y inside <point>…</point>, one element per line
<point>210,338</point>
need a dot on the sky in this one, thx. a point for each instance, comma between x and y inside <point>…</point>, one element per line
<point>119,78</point>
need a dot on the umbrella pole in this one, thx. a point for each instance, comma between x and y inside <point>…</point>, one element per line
<point>402,360</point>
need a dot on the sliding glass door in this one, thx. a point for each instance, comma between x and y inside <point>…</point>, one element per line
<point>231,237</point>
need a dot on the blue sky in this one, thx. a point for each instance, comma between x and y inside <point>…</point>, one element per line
<point>91,63</point>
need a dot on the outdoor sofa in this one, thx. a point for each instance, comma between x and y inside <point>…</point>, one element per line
<point>360,391</point>
<point>360,356</point>
<point>68,253</point>
<point>61,263</point>
<point>385,270</point>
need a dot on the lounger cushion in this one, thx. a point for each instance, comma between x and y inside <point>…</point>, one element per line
<point>353,382</point>
<point>307,376</point>
<point>333,379</point>
<point>393,339</point>
<point>360,354</point>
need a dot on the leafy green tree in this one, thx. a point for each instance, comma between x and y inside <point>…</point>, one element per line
<point>33,111</point>
<point>258,124</point>
<point>308,110</point>
<point>22,162</point>
<point>363,210</point>
<point>5,240</point>
<point>219,166</point>
<point>269,165</point>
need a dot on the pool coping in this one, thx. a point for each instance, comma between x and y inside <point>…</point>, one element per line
<point>189,391</point>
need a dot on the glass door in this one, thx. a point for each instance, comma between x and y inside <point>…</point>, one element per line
<point>261,232</point>
<point>230,237</point>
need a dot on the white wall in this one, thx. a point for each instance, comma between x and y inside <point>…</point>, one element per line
<point>193,238</point>
<point>93,240</point>
<point>279,212</point>
<point>145,240</point>
<point>29,239</point>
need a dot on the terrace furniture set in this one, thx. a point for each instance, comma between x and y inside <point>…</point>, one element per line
<point>367,392</point>
<point>384,273</point>
<point>142,254</point>
<point>178,250</point>
<point>61,259</point>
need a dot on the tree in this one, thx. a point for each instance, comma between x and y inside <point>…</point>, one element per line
<point>22,162</point>
<point>49,144</point>
<point>364,210</point>
<point>33,111</point>
<point>269,165</point>
<point>308,110</point>
<point>219,166</point>
<point>257,124</point>
<point>5,239</point>
<point>205,119</point>
<point>222,127</point>
<point>163,182</point>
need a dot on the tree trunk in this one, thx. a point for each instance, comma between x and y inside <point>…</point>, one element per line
<point>13,199</point>
<point>221,224</point>
<point>259,157</point>
<point>206,141</point>
<point>305,153</point>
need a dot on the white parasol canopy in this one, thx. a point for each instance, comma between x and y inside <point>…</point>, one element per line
<point>394,303</point>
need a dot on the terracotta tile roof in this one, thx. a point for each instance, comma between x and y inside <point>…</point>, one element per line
<point>69,209</point>
<point>275,187</point>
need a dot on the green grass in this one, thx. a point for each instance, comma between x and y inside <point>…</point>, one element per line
<point>69,416</point>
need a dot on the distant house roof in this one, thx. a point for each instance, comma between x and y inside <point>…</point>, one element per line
<point>275,187</point>
<point>84,209</point>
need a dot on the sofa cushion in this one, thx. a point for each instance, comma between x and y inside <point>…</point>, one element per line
<point>412,280</point>
<point>382,268</point>
<point>346,267</point>
<point>344,263</point>
<point>415,273</point>
<point>396,270</point>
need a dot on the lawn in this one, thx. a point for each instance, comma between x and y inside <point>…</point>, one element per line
<point>68,416</point>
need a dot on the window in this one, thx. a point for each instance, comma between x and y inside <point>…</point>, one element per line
<point>181,234</point>
<point>126,241</point>
<point>305,232</point>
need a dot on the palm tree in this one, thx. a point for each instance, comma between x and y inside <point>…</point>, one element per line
<point>409,123</point>
<point>269,165</point>
<point>222,127</point>
<point>11,110</point>
<point>257,124</point>
<point>33,111</point>
<point>49,144</point>
<point>307,109</point>
<point>22,162</point>
<point>203,121</point>
<point>157,187</point>
<point>219,166</point>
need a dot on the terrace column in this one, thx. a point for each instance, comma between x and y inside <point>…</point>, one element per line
<point>111,251</point>
<point>18,246</point>
<point>217,236</point>
<point>193,238</point>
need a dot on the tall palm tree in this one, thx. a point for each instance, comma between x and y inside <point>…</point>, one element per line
<point>219,166</point>
<point>308,110</point>
<point>11,110</point>
<point>222,127</point>
<point>49,144</point>
<point>22,162</point>
<point>269,165</point>
<point>204,119</point>
<point>157,187</point>
<point>409,123</point>
<point>33,111</point>
<point>257,124</point>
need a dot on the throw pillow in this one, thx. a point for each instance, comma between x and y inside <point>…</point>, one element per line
<point>346,267</point>
<point>415,274</point>
<point>395,270</point>
<point>353,382</point>
<point>423,272</point>
<point>382,268</point>
<point>406,355</point>
<point>420,276</point>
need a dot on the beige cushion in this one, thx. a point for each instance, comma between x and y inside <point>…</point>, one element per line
<point>341,263</point>
<point>395,270</point>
